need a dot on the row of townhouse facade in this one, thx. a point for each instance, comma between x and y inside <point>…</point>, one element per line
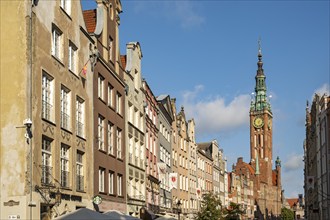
<point>81,127</point>
<point>317,158</point>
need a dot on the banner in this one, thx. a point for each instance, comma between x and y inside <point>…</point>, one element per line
<point>173,180</point>
<point>198,193</point>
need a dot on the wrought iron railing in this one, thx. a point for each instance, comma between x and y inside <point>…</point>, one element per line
<point>65,178</point>
<point>46,110</point>
<point>46,175</point>
<point>65,120</point>
<point>80,129</point>
<point>80,183</point>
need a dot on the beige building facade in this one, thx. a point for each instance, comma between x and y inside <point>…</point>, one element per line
<point>48,86</point>
<point>193,194</point>
<point>135,127</point>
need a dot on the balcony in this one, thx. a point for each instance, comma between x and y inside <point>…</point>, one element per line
<point>46,175</point>
<point>80,183</point>
<point>65,178</point>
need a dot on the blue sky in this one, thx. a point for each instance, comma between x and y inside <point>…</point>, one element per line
<point>204,54</point>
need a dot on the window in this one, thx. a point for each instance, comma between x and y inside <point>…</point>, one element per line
<point>56,42</point>
<point>119,147</point>
<point>100,132</point>
<point>130,112</point>
<point>65,106</point>
<point>118,103</point>
<point>80,117</point>
<point>110,49</point>
<point>119,185</point>
<point>101,87</point>
<point>47,96</point>
<point>66,5</point>
<point>110,138</point>
<point>110,95</point>
<point>80,171</point>
<point>111,182</point>
<point>101,179</point>
<point>64,165</point>
<point>46,157</point>
<point>72,57</point>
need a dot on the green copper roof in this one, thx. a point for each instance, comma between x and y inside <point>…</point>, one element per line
<point>260,101</point>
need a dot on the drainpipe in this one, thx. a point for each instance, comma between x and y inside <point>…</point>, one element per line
<point>29,106</point>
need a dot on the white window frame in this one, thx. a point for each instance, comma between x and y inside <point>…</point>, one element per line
<point>119,185</point>
<point>110,95</point>
<point>101,179</point>
<point>65,107</point>
<point>65,163</point>
<point>66,6</point>
<point>119,143</point>
<point>57,36</point>
<point>100,89</point>
<point>111,182</point>
<point>80,170</point>
<point>100,132</point>
<point>72,58</point>
<point>119,103</point>
<point>47,96</point>
<point>110,49</point>
<point>80,117</point>
<point>46,158</point>
<point>110,138</point>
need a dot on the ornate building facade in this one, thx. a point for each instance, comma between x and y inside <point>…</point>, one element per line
<point>108,98</point>
<point>152,149</point>
<point>45,107</point>
<point>165,152</point>
<point>135,129</point>
<point>317,158</point>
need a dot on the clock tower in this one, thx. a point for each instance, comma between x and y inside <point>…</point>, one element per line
<point>261,127</point>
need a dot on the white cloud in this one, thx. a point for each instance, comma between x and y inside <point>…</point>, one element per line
<point>294,162</point>
<point>213,115</point>
<point>323,89</point>
<point>184,11</point>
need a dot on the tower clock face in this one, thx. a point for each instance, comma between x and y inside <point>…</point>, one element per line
<point>258,122</point>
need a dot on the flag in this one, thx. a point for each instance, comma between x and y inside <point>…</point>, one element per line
<point>84,70</point>
<point>173,180</point>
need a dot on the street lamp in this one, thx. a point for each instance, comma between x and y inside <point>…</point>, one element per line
<point>178,205</point>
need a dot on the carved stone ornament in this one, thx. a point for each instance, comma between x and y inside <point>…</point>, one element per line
<point>11,203</point>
